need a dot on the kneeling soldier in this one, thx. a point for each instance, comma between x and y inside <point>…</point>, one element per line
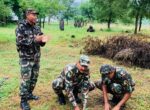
<point>118,82</point>
<point>74,79</point>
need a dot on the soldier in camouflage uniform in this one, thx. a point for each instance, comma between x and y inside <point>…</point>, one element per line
<point>74,79</point>
<point>116,81</point>
<point>29,39</point>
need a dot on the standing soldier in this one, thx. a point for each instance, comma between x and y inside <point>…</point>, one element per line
<point>29,39</point>
<point>74,79</point>
<point>118,82</point>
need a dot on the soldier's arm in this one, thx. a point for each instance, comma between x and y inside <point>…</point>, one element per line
<point>127,86</point>
<point>123,101</point>
<point>105,92</point>
<point>105,97</point>
<point>69,88</point>
<point>104,89</point>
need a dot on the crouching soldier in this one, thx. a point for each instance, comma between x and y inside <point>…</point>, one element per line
<point>74,79</point>
<point>118,82</point>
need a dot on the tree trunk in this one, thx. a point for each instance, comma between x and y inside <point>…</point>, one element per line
<point>40,22</point>
<point>43,22</point>
<point>109,20</point>
<point>67,21</point>
<point>136,22</point>
<point>6,20</point>
<point>49,19</point>
<point>140,23</point>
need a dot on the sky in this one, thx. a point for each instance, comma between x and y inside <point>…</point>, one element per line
<point>80,1</point>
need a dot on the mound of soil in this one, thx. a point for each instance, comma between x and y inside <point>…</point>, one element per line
<point>129,50</point>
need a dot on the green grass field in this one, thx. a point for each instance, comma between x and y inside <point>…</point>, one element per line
<point>55,55</point>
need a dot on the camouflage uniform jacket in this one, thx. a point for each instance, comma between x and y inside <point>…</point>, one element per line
<point>121,77</point>
<point>27,47</point>
<point>72,77</point>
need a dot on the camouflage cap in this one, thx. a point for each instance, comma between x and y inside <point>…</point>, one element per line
<point>31,11</point>
<point>106,69</point>
<point>84,60</point>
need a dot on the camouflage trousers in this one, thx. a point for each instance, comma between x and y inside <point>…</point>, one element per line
<point>58,86</point>
<point>29,75</point>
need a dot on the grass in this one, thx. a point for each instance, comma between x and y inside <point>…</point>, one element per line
<point>55,55</point>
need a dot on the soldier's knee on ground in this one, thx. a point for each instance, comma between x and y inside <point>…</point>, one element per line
<point>57,85</point>
<point>54,84</point>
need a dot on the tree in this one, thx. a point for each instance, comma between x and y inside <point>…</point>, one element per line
<point>108,10</point>
<point>145,12</point>
<point>139,9</point>
<point>87,10</point>
<point>16,8</point>
<point>56,6</point>
<point>69,11</point>
<point>5,11</point>
<point>43,8</point>
<point>79,21</point>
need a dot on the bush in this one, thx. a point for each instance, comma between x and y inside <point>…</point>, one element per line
<point>129,50</point>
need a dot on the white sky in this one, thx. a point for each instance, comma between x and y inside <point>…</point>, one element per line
<point>79,0</point>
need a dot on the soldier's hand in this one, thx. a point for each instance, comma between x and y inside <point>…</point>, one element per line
<point>76,108</point>
<point>44,39</point>
<point>41,38</point>
<point>38,38</point>
<point>107,106</point>
<point>116,108</point>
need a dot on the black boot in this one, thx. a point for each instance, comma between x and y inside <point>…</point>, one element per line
<point>24,105</point>
<point>61,99</point>
<point>32,97</point>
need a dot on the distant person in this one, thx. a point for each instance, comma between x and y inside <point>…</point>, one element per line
<point>61,25</point>
<point>118,82</point>
<point>90,29</point>
<point>74,79</point>
<point>29,39</point>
